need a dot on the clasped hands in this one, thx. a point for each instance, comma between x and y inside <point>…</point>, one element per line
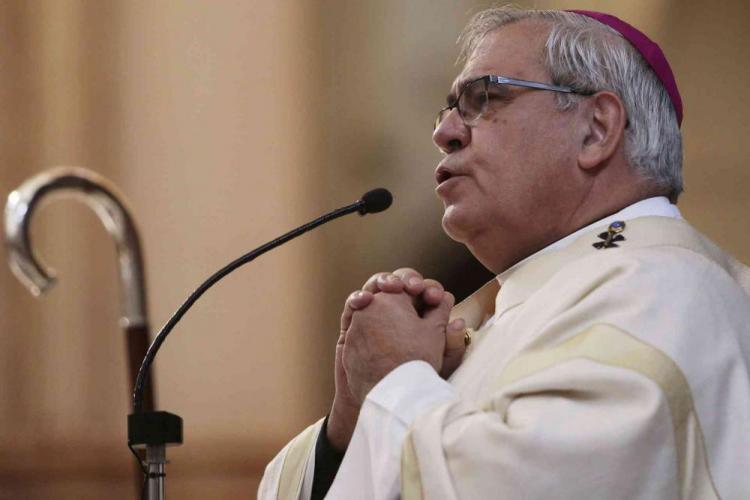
<point>396,317</point>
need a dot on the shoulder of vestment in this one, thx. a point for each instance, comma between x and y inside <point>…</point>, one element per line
<point>659,257</point>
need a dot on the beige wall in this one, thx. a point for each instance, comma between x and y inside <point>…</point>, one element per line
<point>205,116</point>
<point>227,123</point>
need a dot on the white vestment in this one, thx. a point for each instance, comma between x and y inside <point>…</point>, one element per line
<point>604,373</point>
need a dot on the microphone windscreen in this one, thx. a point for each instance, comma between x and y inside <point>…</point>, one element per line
<point>375,201</point>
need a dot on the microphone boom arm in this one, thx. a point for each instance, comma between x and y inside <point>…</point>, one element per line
<point>155,430</point>
<point>373,201</point>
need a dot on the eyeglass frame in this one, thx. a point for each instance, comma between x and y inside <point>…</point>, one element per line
<point>501,80</point>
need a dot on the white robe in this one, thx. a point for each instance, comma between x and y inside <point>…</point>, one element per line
<point>612,373</point>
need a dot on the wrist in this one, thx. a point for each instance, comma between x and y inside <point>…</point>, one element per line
<point>341,423</point>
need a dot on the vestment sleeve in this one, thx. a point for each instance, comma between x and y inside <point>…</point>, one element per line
<point>370,469</point>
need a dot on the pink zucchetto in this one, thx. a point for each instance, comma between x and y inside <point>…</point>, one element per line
<point>650,51</point>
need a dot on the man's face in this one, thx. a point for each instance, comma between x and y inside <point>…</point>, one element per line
<point>505,179</point>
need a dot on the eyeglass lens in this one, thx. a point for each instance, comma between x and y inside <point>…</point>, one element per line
<point>472,102</point>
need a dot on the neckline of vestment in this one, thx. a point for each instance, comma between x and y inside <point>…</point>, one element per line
<point>522,280</point>
<point>480,308</point>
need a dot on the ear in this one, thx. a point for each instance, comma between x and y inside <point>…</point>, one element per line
<point>605,129</point>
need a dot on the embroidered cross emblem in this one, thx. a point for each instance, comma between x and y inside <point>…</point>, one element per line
<point>611,236</point>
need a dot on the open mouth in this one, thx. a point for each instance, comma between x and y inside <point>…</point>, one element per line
<point>442,175</point>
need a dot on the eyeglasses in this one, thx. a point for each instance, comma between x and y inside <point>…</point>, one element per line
<point>476,95</point>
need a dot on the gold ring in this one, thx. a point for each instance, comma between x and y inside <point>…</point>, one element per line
<point>467,337</point>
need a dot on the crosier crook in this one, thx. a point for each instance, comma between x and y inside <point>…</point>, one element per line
<point>104,198</point>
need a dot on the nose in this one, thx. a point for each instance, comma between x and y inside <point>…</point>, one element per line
<point>452,133</point>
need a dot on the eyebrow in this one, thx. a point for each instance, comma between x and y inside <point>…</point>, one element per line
<point>453,94</point>
<point>450,99</point>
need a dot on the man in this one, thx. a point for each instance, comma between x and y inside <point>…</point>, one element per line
<point>610,357</point>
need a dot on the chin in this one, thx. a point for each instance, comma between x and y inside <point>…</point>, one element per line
<point>455,224</point>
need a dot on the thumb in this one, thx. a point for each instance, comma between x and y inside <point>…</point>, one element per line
<point>454,337</point>
<point>455,347</point>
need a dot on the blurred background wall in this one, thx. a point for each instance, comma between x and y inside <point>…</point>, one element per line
<point>226,123</point>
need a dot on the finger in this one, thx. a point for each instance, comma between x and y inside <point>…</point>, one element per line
<point>413,280</point>
<point>359,299</point>
<point>433,293</point>
<point>383,282</point>
<point>356,300</point>
<point>441,312</point>
<point>390,283</point>
<point>371,285</point>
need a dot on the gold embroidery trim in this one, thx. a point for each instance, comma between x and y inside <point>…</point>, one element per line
<point>295,462</point>
<point>609,345</point>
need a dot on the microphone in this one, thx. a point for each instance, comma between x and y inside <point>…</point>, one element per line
<point>371,202</point>
<point>375,201</point>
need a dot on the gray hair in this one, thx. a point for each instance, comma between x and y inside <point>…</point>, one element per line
<point>589,56</point>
